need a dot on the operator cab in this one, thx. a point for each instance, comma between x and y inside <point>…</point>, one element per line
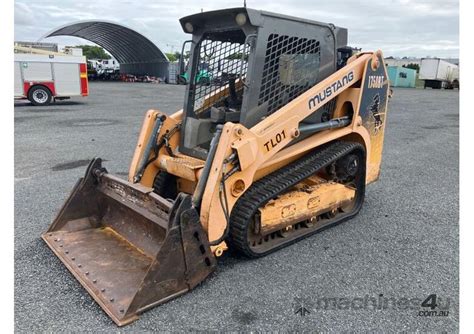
<point>251,69</point>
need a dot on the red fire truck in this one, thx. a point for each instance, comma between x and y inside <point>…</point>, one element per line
<point>43,78</point>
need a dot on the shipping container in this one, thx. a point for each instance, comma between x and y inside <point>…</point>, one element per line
<point>401,76</point>
<point>44,78</point>
<point>438,73</point>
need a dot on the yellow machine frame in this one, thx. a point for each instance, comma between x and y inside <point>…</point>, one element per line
<point>263,149</point>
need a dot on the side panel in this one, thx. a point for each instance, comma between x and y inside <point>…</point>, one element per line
<point>447,71</point>
<point>455,73</point>
<point>18,90</point>
<point>411,79</point>
<point>429,69</point>
<point>404,77</point>
<point>373,110</point>
<point>36,71</point>
<point>67,79</point>
<point>443,70</point>
<point>392,75</point>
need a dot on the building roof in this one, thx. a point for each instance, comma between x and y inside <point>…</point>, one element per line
<point>125,44</point>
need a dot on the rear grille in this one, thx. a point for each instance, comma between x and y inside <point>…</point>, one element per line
<point>291,67</point>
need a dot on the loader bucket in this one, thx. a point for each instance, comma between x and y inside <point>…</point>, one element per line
<point>130,248</point>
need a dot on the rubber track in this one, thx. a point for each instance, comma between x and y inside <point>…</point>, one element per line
<point>272,185</point>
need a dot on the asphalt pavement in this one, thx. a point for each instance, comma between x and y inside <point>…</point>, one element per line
<point>371,273</point>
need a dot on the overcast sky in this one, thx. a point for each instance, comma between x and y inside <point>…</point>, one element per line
<point>399,27</point>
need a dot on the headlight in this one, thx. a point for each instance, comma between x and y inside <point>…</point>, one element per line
<point>241,19</point>
<point>188,27</point>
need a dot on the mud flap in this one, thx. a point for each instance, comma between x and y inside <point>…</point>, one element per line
<point>130,248</point>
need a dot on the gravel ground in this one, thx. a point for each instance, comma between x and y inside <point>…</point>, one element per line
<point>403,244</point>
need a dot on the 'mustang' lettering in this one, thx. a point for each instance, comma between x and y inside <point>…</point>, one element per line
<point>330,90</point>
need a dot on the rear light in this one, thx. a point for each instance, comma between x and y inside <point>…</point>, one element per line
<point>84,81</point>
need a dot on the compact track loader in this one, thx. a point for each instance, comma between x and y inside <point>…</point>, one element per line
<point>280,144</point>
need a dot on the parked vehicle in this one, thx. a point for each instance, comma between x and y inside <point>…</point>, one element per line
<point>44,78</point>
<point>103,69</point>
<point>438,73</point>
<point>204,77</point>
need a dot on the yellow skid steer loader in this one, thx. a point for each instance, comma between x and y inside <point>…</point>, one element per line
<point>277,145</point>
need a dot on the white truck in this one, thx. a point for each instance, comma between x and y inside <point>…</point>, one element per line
<point>103,69</point>
<point>42,78</point>
<point>438,73</point>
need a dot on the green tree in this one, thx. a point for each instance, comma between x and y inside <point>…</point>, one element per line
<point>175,56</point>
<point>171,57</point>
<point>93,52</point>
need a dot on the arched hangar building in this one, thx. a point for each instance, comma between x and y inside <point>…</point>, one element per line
<point>136,54</point>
